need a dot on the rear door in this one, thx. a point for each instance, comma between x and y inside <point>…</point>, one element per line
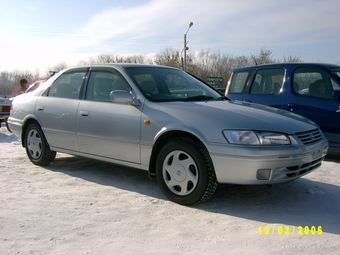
<point>57,110</point>
<point>108,129</point>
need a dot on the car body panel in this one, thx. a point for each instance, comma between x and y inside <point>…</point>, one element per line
<point>119,137</point>
<point>59,121</point>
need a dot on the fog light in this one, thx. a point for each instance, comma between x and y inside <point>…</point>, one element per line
<point>263,174</point>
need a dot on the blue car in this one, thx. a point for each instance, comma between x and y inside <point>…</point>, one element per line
<point>308,89</point>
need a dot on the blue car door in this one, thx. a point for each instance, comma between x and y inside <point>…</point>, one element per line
<point>312,96</point>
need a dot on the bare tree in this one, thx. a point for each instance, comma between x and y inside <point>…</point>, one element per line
<point>265,57</point>
<point>9,81</point>
<point>292,59</point>
<point>137,59</point>
<point>54,69</point>
<point>109,58</point>
<point>217,64</point>
<point>169,57</point>
<point>102,59</point>
<point>6,83</point>
<point>204,64</point>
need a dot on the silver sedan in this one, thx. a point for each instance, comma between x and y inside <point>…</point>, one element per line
<point>167,122</point>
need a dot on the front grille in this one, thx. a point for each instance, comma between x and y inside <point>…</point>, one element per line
<point>310,137</point>
<point>305,168</point>
<point>293,172</point>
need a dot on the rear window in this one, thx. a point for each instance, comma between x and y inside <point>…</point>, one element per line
<point>67,85</point>
<point>238,82</point>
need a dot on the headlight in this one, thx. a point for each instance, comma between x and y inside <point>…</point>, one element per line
<point>246,137</point>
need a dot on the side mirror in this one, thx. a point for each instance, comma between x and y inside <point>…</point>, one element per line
<point>336,94</point>
<point>123,97</point>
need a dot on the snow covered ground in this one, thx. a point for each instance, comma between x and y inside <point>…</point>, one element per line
<point>82,206</point>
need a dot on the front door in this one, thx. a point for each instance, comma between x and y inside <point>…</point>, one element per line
<point>108,129</point>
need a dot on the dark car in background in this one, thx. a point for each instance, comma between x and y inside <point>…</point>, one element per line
<point>308,89</point>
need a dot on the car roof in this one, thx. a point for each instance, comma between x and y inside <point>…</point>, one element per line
<point>288,65</point>
<point>130,65</point>
<point>122,65</point>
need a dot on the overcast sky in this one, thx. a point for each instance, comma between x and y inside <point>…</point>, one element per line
<point>38,34</point>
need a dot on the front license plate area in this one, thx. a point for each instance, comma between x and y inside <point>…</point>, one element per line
<point>316,154</point>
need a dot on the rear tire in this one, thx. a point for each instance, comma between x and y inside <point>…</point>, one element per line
<point>185,172</point>
<point>37,148</point>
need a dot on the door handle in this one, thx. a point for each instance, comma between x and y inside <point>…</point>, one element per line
<point>292,105</point>
<point>40,108</point>
<point>84,113</point>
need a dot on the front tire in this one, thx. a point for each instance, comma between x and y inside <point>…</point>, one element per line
<point>37,148</point>
<point>185,172</point>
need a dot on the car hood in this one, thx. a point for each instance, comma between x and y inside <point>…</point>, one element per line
<point>209,118</point>
<point>268,118</point>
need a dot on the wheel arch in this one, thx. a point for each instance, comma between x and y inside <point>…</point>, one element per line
<point>161,141</point>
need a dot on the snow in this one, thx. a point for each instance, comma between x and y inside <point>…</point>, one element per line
<point>83,206</point>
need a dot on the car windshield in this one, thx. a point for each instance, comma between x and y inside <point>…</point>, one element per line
<point>163,84</point>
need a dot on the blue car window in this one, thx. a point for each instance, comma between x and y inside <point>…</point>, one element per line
<point>238,82</point>
<point>313,82</point>
<point>268,81</point>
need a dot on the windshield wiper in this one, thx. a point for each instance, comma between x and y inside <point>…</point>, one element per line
<point>222,98</point>
<point>198,98</point>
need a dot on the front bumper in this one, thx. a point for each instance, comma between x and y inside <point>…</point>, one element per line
<point>264,165</point>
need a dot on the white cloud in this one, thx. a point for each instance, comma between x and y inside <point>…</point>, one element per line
<point>233,26</point>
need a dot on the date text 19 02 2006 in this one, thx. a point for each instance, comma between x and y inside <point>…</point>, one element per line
<point>290,230</point>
